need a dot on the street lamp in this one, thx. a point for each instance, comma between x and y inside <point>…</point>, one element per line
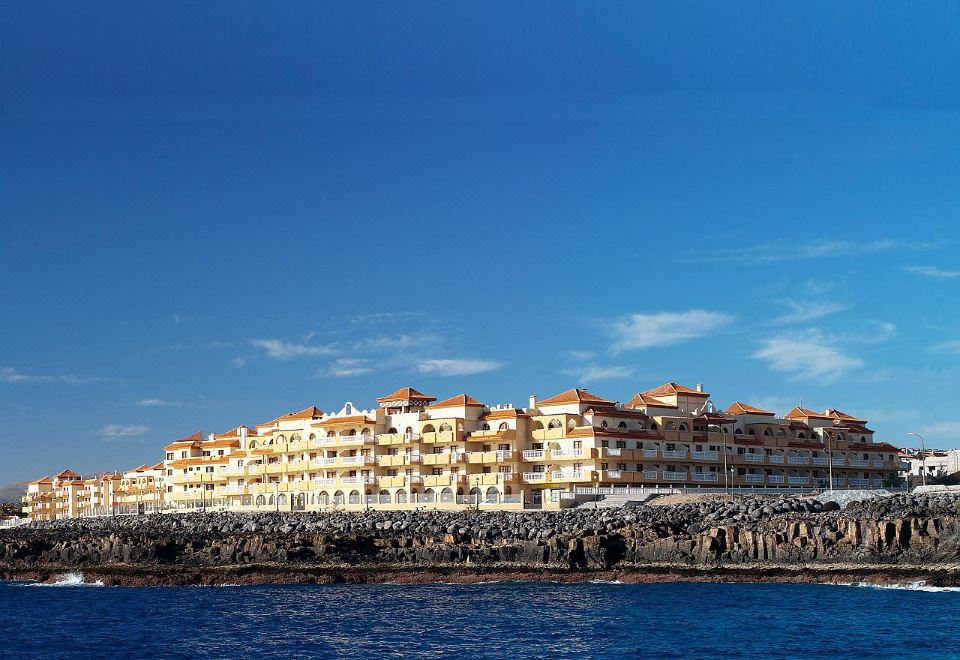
<point>923,458</point>
<point>596,490</point>
<point>723,439</point>
<point>830,459</point>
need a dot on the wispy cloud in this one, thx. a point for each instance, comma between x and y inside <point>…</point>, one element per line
<point>346,367</point>
<point>121,431</point>
<point>158,403</point>
<point>806,356</point>
<point>951,347</point>
<point>11,375</point>
<point>591,373</point>
<point>940,433</point>
<point>801,312</point>
<point>282,350</point>
<point>395,343</point>
<point>457,366</point>
<point>812,249</point>
<point>639,331</point>
<point>580,356</point>
<point>933,272</point>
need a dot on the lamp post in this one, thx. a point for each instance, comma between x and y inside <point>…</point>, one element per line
<point>596,490</point>
<point>829,459</point>
<point>923,458</point>
<point>723,440</point>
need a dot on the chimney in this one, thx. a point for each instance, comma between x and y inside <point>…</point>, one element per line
<point>699,387</point>
<point>533,402</point>
<point>243,437</point>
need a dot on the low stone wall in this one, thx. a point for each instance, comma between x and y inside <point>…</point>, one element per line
<point>750,532</point>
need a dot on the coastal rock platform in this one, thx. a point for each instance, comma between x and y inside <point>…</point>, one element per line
<point>891,539</point>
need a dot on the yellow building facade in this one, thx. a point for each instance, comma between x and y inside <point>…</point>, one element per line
<point>412,451</point>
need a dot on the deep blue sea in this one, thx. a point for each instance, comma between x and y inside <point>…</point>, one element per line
<point>494,620</point>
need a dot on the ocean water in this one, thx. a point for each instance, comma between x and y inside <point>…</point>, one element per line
<point>494,620</point>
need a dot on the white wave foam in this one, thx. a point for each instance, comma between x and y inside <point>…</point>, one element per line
<point>909,586</point>
<point>605,582</point>
<point>67,580</point>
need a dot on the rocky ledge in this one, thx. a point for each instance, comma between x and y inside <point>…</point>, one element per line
<point>753,538</point>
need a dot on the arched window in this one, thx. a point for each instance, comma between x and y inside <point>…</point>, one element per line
<point>261,500</point>
<point>366,433</point>
<point>331,434</point>
<point>446,495</point>
<point>863,438</point>
<point>313,436</point>
<point>429,496</point>
<point>493,494</point>
<point>670,426</point>
<point>683,427</point>
<point>282,499</point>
<point>571,423</point>
<point>841,436</point>
<point>503,426</point>
<point>324,499</point>
<point>294,439</point>
<point>445,427</point>
<point>408,430</point>
<point>281,439</point>
<point>270,441</point>
<point>485,427</point>
<point>401,496</point>
<point>253,444</point>
<point>603,424</point>
<point>555,424</point>
<point>392,429</point>
<point>801,435</point>
<point>384,497</point>
<point>766,433</point>
<point>338,497</point>
<point>622,425</point>
<point>653,426</point>
<point>751,432</point>
<point>739,432</point>
<point>428,428</point>
<point>354,497</point>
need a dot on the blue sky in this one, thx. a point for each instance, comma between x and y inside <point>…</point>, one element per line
<point>213,213</point>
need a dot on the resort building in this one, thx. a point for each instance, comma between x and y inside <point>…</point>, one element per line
<point>412,451</point>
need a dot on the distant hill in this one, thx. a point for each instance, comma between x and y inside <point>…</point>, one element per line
<point>12,492</point>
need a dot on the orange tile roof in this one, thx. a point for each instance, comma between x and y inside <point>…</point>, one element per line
<point>844,417</point>
<point>42,480</point>
<point>458,401</point>
<point>616,412</point>
<point>311,412</point>
<point>406,394</point>
<point>641,400</point>
<point>504,413</point>
<point>803,413</point>
<point>671,388</point>
<point>739,408</point>
<point>576,395</point>
<point>189,440</point>
<point>67,474</point>
<point>233,433</point>
<point>352,419</point>
<point>158,466</point>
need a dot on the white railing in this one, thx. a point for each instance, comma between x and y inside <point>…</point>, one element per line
<point>649,453</point>
<point>878,463</point>
<point>324,482</point>
<point>674,453</point>
<point>504,455</point>
<point>413,458</point>
<point>674,476</point>
<point>798,460</point>
<point>565,475</point>
<point>799,480</point>
<point>775,478</point>
<point>839,460</point>
<point>859,462</point>
<point>775,458</point>
<point>233,490</point>
<point>353,460</point>
<point>705,476</point>
<point>566,453</point>
<point>613,451</point>
<point>753,458</point>
<point>753,478</point>
<point>820,460</point>
<point>353,481</point>
<point>705,455</point>
<point>533,454</point>
<point>839,481</point>
<point>615,474</point>
<point>650,474</point>
<point>331,460</point>
<point>860,483</point>
<point>232,471</point>
<point>878,483</point>
<point>534,477</point>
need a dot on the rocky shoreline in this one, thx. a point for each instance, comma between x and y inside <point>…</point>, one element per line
<point>891,540</point>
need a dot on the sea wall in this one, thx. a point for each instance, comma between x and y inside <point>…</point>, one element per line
<point>752,532</point>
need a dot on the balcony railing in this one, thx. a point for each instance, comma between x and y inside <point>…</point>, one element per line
<point>754,458</point>
<point>859,462</point>
<point>839,460</point>
<point>649,453</point>
<point>705,476</point>
<point>753,478</point>
<point>534,477</point>
<point>705,455</point>
<point>566,453</point>
<point>533,454</point>
<point>775,458</point>
<point>358,481</point>
<point>775,478</point>
<point>799,481</point>
<point>612,451</point>
<point>650,474</point>
<point>859,483</point>
<point>820,460</point>
<point>798,460</point>
<point>615,474</point>
<point>565,475</point>
<point>674,453</point>
<point>878,463</point>
<point>674,476</point>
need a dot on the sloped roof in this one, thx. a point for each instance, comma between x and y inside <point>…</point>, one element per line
<point>67,474</point>
<point>576,395</point>
<point>406,394</point>
<point>802,413</point>
<point>844,417</point>
<point>352,419</point>
<point>310,412</point>
<point>42,480</point>
<point>641,400</point>
<point>458,401</point>
<point>189,440</point>
<point>616,412</point>
<point>670,389</point>
<point>234,433</point>
<point>740,408</point>
<point>503,413</point>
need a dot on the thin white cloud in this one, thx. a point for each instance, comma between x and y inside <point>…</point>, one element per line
<point>591,373</point>
<point>121,431</point>
<point>808,356</point>
<point>158,403</point>
<point>395,343</point>
<point>813,249</point>
<point>457,367</point>
<point>580,356</point>
<point>872,332</point>
<point>11,375</point>
<point>808,310</point>
<point>951,347</point>
<point>639,331</point>
<point>933,272</point>
<point>281,350</point>
<point>941,434</point>
<point>346,367</point>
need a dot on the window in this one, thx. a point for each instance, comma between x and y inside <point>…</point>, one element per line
<point>555,424</point>
<point>169,455</point>
<point>622,425</point>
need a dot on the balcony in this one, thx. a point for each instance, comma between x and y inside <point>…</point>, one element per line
<point>878,463</point>
<point>437,480</point>
<point>489,479</point>
<point>675,453</point>
<point>533,455</point>
<point>705,455</point>
<point>436,459</point>
<point>549,434</point>
<point>506,434</point>
<point>649,453</point>
<point>859,462</point>
<point>706,476</point>
<point>839,460</point>
<point>615,475</point>
<point>675,476</point>
<point>798,460</point>
<point>358,481</point>
<point>775,458</point>
<point>356,439</point>
<point>534,477</point>
<point>859,483</point>
<point>563,454</point>
<point>397,438</point>
<point>839,482</point>
<point>356,460</point>
<point>775,478</point>
<point>569,475</point>
<point>757,458</point>
<point>753,478</point>
<point>612,452</point>
<point>439,436</point>
<point>798,481</point>
<point>878,483</point>
<point>820,460</point>
<point>650,475</point>
<point>324,482</point>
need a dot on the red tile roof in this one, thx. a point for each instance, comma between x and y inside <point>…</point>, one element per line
<point>803,413</point>
<point>352,419</point>
<point>670,389</point>
<point>575,395</point>
<point>844,417</point>
<point>739,408</point>
<point>406,394</point>
<point>458,401</point>
<point>641,400</point>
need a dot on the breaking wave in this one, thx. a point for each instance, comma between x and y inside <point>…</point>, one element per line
<point>67,580</point>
